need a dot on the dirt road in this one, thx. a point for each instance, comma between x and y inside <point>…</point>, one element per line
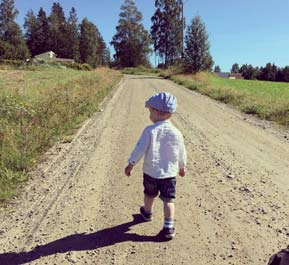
<point>79,208</point>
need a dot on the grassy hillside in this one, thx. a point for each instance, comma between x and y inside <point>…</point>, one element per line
<point>267,100</point>
<point>37,108</point>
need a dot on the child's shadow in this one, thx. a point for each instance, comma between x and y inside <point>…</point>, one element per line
<point>83,241</point>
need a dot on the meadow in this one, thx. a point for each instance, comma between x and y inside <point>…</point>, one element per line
<point>266,100</point>
<point>39,107</point>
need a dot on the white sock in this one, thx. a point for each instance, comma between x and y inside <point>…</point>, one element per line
<point>168,223</point>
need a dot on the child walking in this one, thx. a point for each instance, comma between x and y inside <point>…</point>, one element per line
<point>162,146</point>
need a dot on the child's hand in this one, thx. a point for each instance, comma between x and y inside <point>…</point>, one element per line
<point>128,169</point>
<point>182,172</point>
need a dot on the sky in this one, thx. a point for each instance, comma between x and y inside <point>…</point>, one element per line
<point>245,32</point>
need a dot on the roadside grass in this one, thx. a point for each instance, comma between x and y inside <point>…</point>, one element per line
<point>141,70</point>
<point>266,100</point>
<point>38,108</point>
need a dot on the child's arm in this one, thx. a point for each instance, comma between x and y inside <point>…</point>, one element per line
<point>138,152</point>
<point>182,158</point>
<point>182,172</point>
<point>128,169</point>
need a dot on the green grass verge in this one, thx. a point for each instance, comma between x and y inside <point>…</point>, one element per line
<point>267,100</point>
<point>39,107</point>
<point>141,70</point>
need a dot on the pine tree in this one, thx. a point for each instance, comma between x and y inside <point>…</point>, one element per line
<point>268,73</point>
<point>42,34</point>
<point>167,30</point>
<point>106,57</point>
<point>73,36</point>
<point>217,69</point>
<point>31,26</point>
<point>131,41</point>
<point>197,54</point>
<point>90,44</point>
<point>58,31</point>
<point>283,74</point>
<point>101,50</point>
<point>10,32</point>
<point>248,71</point>
<point>235,68</point>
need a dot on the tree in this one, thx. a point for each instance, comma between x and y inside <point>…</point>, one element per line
<point>90,44</point>
<point>31,26</point>
<point>167,30</point>
<point>235,68</point>
<point>131,41</point>
<point>6,50</point>
<point>58,31</point>
<point>197,55</point>
<point>101,50</point>
<point>106,57</point>
<point>41,39</point>
<point>73,36</point>
<point>11,33</point>
<point>268,73</point>
<point>283,74</point>
<point>248,71</point>
<point>217,69</point>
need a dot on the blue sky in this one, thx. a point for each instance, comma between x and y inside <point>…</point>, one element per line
<point>249,31</point>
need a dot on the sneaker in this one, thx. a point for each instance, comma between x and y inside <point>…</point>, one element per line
<point>146,216</point>
<point>168,233</point>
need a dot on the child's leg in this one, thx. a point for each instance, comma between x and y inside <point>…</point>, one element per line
<point>146,211</point>
<point>150,192</point>
<point>169,214</point>
<point>148,203</point>
<point>169,210</point>
<point>168,195</point>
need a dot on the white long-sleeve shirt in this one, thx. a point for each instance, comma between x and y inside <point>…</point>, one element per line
<point>162,146</point>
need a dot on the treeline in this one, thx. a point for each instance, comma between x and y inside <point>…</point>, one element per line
<point>270,72</point>
<point>62,35</point>
<point>133,44</point>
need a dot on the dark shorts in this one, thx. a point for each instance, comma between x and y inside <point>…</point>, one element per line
<point>165,187</point>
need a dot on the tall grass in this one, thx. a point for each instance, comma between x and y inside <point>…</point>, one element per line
<point>267,100</point>
<point>141,70</point>
<point>37,108</point>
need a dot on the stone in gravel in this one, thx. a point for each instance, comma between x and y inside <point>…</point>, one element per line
<point>279,231</point>
<point>230,176</point>
<point>245,189</point>
<point>70,258</point>
<point>262,210</point>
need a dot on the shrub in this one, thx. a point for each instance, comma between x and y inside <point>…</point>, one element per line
<point>12,62</point>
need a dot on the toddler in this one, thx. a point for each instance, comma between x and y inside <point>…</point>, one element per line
<point>162,146</point>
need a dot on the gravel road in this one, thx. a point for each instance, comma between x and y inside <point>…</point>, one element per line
<point>80,208</point>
